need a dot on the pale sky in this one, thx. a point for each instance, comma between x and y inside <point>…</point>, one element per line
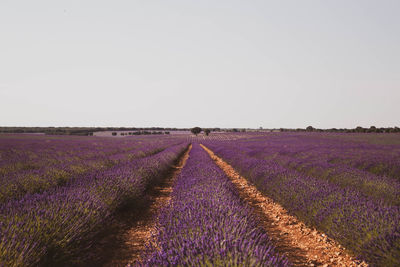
<point>208,63</point>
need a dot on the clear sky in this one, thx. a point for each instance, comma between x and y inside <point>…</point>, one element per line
<point>326,63</point>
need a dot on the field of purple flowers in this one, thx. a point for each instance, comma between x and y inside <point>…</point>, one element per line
<point>33,164</point>
<point>346,186</point>
<point>56,221</point>
<point>58,193</point>
<point>208,224</point>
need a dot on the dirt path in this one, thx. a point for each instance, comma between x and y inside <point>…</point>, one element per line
<point>302,245</point>
<point>127,242</point>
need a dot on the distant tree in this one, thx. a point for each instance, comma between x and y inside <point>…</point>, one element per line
<point>196,130</point>
<point>310,129</point>
<point>166,132</point>
<point>114,133</point>
<point>360,129</point>
<point>207,131</point>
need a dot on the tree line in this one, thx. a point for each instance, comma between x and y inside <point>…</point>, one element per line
<point>195,130</point>
<point>358,129</point>
<point>85,130</point>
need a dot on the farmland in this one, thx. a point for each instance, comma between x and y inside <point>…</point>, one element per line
<point>60,194</point>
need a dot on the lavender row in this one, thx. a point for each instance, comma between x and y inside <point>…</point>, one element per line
<point>19,153</point>
<point>207,224</point>
<point>369,228</point>
<point>313,158</point>
<point>59,166</point>
<point>59,224</point>
<point>381,157</point>
<point>22,152</point>
<point>370,185</point>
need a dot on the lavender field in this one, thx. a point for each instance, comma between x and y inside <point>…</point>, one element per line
<point>58,194</point>
<point>208,224</point>
<point>346,185</point>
